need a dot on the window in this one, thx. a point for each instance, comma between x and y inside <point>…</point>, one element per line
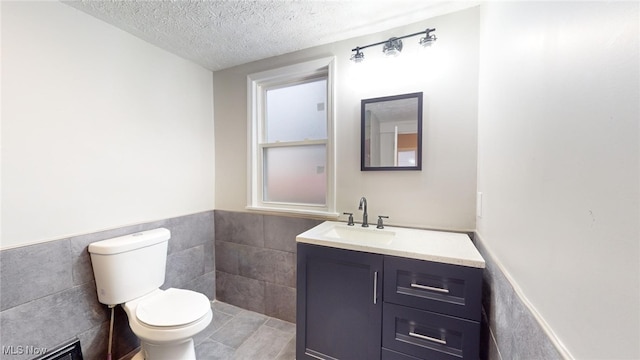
<point>291,139</point>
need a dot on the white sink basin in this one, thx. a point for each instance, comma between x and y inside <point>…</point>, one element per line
<point>356,233</point>
<point>438,246</point>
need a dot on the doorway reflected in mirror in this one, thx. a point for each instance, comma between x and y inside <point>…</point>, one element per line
<point>391,133</point>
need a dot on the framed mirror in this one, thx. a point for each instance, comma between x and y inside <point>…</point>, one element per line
<point>391,133</point>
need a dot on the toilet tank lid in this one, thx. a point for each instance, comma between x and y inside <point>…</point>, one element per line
<point>129,242</point>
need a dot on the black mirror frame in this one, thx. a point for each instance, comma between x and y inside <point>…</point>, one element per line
<point>363,103</point>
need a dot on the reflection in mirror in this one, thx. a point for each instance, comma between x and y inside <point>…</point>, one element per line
<point>391,133</point>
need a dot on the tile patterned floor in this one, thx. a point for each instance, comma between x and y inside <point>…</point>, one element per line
<point>238,334</point>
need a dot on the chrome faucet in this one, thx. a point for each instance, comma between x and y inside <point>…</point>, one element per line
<point>365,220</point>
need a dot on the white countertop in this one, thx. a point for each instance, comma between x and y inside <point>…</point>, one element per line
<point>437,246</point>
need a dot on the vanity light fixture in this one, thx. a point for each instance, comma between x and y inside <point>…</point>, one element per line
<point>428,38</point>
<point>393,46</point>
<point>358,56</point>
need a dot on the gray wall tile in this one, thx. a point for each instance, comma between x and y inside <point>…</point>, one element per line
<point>210,256</point>
<point>240,291</point>
<point>488,348</point>
<point>51,320</point>
<point>239,227</point>
<point>184,266</point>
<point>190,231</point>
<point>280,231</point>
<point>94,341</point>
<point>267,265</point>
<point>513,332</point>
<point>253,262</point>
<point>31,272</point>
<point>285,269</point>
<point>280,302</point>
<point>227,256</point>
<point>204,284</point>
<point>80,258</point>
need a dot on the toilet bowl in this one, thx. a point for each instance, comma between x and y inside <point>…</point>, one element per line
<point>129,270</point>
<point>166,320</point>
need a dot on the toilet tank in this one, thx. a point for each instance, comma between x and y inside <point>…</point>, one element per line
<point>129,266</point>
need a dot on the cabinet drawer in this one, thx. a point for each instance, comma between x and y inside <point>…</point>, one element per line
<point>428,335</point>
<point>444,288</point>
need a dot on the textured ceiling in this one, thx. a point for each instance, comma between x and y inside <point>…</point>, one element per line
<point>220,34</point>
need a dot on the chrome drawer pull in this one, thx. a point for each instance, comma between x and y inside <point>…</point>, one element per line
<point>375,288</point>
<point>443,342</point>
<point>423,287</point>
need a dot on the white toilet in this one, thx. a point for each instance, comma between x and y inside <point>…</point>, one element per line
<point>129,270</point>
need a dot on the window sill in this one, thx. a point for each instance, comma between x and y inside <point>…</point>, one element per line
<point>295,212</point>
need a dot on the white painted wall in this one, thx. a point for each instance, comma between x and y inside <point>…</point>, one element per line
<point>442,195</point>
<point>559,157</point>
<point>99,128</point>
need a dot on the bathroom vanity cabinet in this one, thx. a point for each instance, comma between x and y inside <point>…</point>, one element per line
<point>354,304</point>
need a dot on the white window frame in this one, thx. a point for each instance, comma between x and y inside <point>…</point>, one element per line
<point>256,85</point>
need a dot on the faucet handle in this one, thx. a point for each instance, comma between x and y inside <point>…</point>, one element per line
<point>380,224</point>
<point>350,221</point>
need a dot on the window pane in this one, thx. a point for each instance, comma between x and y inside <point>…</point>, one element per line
<point>297,112</point>
<point>295,174</point>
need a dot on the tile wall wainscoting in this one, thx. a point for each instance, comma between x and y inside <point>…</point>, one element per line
<point>509,329</point>
<point>255,270</point>
<point>47,291</point>
<point>48,295</point>
<point>256,261</point>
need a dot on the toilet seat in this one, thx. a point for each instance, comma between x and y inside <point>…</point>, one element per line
<point>172,308</point>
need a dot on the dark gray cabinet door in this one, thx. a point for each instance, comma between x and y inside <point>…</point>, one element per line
<point>339,304</point>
